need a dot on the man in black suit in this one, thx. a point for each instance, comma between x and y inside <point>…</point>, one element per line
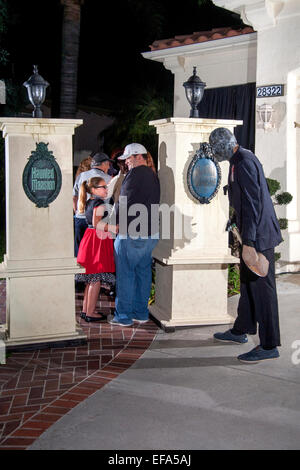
<point>260,233</point>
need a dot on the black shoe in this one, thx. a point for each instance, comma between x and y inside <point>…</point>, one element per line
<point>92,319</point>
<point>103,317</point>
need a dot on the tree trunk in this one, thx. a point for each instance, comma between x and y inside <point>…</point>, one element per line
<point>70,52</point>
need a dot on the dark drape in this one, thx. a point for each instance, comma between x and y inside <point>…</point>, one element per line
<point>233,102</point>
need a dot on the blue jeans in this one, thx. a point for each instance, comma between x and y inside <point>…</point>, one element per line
<point>133,258</point>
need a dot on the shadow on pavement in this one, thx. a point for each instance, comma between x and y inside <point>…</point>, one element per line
<point>184,343</point>
<point>175,362</point>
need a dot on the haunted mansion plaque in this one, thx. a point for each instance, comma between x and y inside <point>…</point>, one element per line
<point>42,176</point>
<point>204,174</point>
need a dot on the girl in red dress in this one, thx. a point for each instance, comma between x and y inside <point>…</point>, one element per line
<point>96,247</point>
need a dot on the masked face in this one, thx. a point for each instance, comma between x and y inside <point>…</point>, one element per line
<point>222,142</point>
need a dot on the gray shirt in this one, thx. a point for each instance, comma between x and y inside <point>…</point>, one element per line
<point>84,176</point>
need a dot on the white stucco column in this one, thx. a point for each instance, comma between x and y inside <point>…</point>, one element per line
<point>277,23</point>
<point>2,92</point>
<point>192,259</point>
<point>39,264</point>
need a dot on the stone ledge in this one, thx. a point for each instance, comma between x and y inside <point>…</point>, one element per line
<point>282,267</point>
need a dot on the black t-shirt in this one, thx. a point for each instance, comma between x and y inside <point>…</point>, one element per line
<point>140,186</point>
<point>89,209</point>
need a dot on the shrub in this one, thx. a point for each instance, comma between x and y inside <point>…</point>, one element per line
<point>283,198</point>
<point>280,199</point>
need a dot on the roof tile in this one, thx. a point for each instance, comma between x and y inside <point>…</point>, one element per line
<point>199,36</point>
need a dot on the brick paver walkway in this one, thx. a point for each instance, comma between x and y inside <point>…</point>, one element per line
<point>38,387</point>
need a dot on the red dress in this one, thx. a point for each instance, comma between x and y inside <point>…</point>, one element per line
<point>96,249</point>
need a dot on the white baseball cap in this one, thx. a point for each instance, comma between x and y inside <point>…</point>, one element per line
<point>132,149</point>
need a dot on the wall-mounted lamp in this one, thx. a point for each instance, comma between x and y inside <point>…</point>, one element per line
<point>265,113</point>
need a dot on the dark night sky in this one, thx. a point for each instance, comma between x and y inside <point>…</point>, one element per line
<point>113,35</point>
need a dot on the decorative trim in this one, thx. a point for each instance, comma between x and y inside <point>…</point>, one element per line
<point>42,153</point>
<point>204,152</point>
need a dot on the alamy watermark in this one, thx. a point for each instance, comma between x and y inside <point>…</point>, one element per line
<point>166,221</point>
<point>2,352</point>
<point>295,358</point>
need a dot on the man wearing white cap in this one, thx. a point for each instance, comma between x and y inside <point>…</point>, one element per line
<point>137,216</point>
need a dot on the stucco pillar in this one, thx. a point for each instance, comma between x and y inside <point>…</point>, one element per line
<point>2,92</point>
<point>192,259</point>
<point>39,263</point>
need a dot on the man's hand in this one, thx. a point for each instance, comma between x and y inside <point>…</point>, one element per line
<point>249,255</point>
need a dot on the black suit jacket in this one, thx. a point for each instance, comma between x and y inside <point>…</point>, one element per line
<point>249,196</point>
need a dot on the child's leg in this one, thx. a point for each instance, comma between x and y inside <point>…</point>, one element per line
<point>92,297</point>
<point>85,298</point>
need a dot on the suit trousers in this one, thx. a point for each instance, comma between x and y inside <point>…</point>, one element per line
<point>258,304</point>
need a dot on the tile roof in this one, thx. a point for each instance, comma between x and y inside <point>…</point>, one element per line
<point>202,36</point>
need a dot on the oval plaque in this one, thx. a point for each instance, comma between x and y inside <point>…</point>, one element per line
<point>204,174</point>
<point>42,176</point>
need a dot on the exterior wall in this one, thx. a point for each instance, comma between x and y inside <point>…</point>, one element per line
<point>276,60</point>
<point>280,147</point>
<point>221,62</point>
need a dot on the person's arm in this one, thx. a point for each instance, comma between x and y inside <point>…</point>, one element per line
<point>75,200</point>
<point>128,190</point>
<point>248,179</point>
<point>76,193</point>
<point>111,185</point>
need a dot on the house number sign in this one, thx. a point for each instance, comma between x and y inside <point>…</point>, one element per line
<point>269,90</point>
<point>42,176</point>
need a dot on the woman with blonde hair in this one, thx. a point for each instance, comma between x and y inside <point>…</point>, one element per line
<point>95,252</point>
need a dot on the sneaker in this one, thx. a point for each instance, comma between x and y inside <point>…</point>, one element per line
<point>258,354</point>
<point>140,321</point>
<point>112,320</point>
<point>228,337</point>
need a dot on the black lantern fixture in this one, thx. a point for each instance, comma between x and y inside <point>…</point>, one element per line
<point>36,89</point>
<point>194,90</point>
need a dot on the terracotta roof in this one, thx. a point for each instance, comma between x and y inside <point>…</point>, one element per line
<point>202,36</point>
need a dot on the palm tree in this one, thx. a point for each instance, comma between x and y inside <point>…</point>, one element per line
<point>70,51</point>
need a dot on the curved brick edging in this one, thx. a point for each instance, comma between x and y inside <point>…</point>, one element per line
<point>34,422</point>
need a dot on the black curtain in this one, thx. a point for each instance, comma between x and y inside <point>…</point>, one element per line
<point>233,102</point>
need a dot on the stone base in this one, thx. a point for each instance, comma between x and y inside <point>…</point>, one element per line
<point>282,267</point>
<point>66,340</point>
<point>40,307</point>
<point>170,325</point>
<point>191,295</point>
